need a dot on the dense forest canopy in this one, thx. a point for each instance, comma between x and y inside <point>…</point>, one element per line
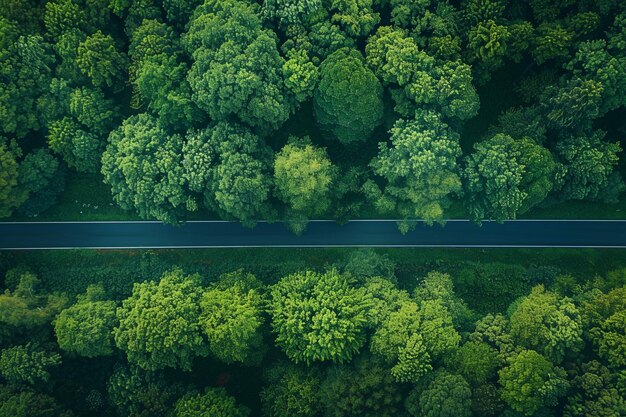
<point>131,335</point>
<point>285,109</point>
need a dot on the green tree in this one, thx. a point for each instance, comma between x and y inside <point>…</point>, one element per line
<point>596,393</point>
<point>574,104</point>
<point>25,72</point>
<point>11,196</point>
<point>291,12</point>
<point>304,176</point>
<point>236,70</point>
<point>142,164</point>
<point>366,263</point>
<point>158,324</point>
<point>137,393</point>
<point>43,178</point>
<point>301,75</point>
<point>417,79</point>
<point>421,168</point>
<point>230,167</point>
<point>444,395</point>
<point>552,42</point>
<point>505,177</point>
<point>548,324</point>
<point>318,317</point>
<point>487,47</point>
<point>231,320</point>
<point>27,364</point>
<point>214,402</point>
<point>477,362</point>
<point>363,388</point>
<point>27,403</point>
<point>355,17</point>
<point>594,61</point>
<point>291,391</point>
<point>86,328</point>
<point>159,74</point>
<point>348,98</point>
<point>606,323</point>
<point>413,337</point>
<point>590,164</point>
<point>61,16</point>
<point>100,60</point>
<point>530,382</point>
<point>26,308</point>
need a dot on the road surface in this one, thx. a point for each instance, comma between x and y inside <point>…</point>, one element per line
<point>319,233</point>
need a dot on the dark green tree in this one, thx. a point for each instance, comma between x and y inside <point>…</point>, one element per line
<point>27,364</point>
<point>443,395</point>
<point>237,70</point>
<point>291,391</point>
<point>100,60</point>
<point>477,362</point>
<point>43,178</point>
<point>590,164</point>
<point>505,177</point>
<point>230,167</point>
<point>421,168</point>
<point>348,99</point>
<point>363,388</point>
<point>11,196</point>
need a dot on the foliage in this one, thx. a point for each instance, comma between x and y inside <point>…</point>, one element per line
<point>548,324</point>
<point>304,176</point>
<point>27,364</point>
<point>142,164</point>
<point>421,168</point>
<point>231,320</point>
<point>158,323</point>
<point>43,178</point>
<point>236,70</point>
<point>506,177</point>
<point>229,166</point>
<point>444,395</point>
<point>86,327</point>
<point>364,388</point>
<point>10,196</point>
<point>590,167</point>
<point>291,391</point>
<point>318,317</point>
<point>530,382</point>
<point>214,402</point>
<point>348,98</point>
<point>99,59</point>
<point>475,361</point>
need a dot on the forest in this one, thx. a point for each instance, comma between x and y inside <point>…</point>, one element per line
<point>313,333</point>
<point>301,109</point>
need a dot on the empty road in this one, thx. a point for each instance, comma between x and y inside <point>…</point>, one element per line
<point>320,233</point>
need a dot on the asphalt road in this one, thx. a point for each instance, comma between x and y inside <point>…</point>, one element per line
<point>320,233</point>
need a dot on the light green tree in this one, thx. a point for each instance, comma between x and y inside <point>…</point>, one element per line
<point>86,328</point>
<point>530,382</point>
<point>318,317</point>
<point>158,324</point>
<point>213,402</point>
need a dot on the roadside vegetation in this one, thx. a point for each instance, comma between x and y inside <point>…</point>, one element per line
<point>283,109</point>
<point>313,333</point>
